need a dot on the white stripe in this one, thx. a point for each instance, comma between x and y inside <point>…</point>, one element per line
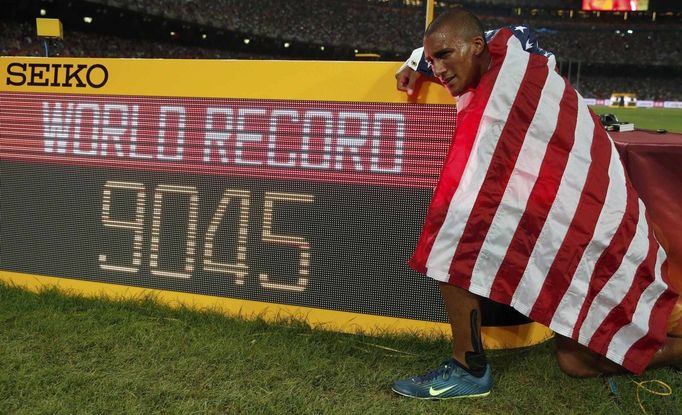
<point>560,214</point>
<point>624,338</point>
<point>615,201</point>
<point>520,185</point>
<point>492,121</point>
<point>619,284</point>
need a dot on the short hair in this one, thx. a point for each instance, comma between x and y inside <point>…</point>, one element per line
<point>463,21</point>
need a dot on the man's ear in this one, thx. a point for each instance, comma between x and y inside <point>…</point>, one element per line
<point>479,45</point>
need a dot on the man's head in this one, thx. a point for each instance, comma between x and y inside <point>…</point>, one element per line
<point>454,46</point>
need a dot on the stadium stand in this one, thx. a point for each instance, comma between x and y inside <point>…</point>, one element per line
<point>645,56</point>
<point>645,87</point>
<point>396,28</point>
<point>23,42</point>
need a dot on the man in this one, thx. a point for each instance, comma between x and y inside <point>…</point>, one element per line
<point>533,210</point>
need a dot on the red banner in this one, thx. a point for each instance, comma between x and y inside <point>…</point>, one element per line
<point>348,142</point>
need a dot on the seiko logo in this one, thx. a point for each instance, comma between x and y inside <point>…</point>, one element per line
<point>57,74</point>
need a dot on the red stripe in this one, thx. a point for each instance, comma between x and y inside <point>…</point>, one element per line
<point>641,353</point>
<point>501,166</point>
<point>540,200</point>
<point>580,231</point>
<point>622,314</point>
<point>467,124</point>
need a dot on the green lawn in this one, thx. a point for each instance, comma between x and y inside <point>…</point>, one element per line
<point>646,118</point>
<point>71,355</point>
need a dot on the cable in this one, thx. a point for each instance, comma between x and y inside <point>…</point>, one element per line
<point>667,390</point>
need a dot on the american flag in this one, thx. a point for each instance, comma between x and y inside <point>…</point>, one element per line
<point>533,209</point>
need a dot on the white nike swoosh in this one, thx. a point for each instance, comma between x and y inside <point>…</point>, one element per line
<point>436,392</point>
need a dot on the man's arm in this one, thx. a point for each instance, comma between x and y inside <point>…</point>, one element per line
<point>411,70</point>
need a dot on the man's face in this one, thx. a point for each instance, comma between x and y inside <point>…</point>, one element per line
<point>452,59</point>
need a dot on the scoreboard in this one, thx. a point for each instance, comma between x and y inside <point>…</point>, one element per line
<point>615,5</point>
<point>281,183</point>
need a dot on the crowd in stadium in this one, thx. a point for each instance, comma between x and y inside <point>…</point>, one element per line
<point>379,26</point>
<point>645,87</point>
<point>611,46</point>
<point>343,22</point>
<point>81,44</point>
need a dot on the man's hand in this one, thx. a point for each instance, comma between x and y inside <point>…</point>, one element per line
<point>406,79</point>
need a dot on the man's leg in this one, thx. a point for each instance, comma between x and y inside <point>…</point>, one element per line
<point>579,361</point>
<point>464,311</point>
<point>467,374</point>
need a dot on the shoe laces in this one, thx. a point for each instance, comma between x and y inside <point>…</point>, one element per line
<point>443,370</point>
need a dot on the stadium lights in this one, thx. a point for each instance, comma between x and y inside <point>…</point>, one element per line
<point>43,12</point>
<point>87,19</point>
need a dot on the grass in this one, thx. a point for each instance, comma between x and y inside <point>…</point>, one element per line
<point>64,354</point>
<point>646,118</point>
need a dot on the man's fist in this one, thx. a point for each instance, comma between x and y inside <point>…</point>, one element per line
<point>406,78</point>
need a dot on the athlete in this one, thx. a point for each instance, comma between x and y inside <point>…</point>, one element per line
<point>533,210</point>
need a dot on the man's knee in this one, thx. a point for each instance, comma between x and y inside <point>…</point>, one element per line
<point>575,359</point>
<point>575,364</point>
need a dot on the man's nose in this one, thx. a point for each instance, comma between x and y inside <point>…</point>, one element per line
<point>438,68</point>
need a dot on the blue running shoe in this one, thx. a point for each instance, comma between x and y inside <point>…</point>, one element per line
<point>448,381</point>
